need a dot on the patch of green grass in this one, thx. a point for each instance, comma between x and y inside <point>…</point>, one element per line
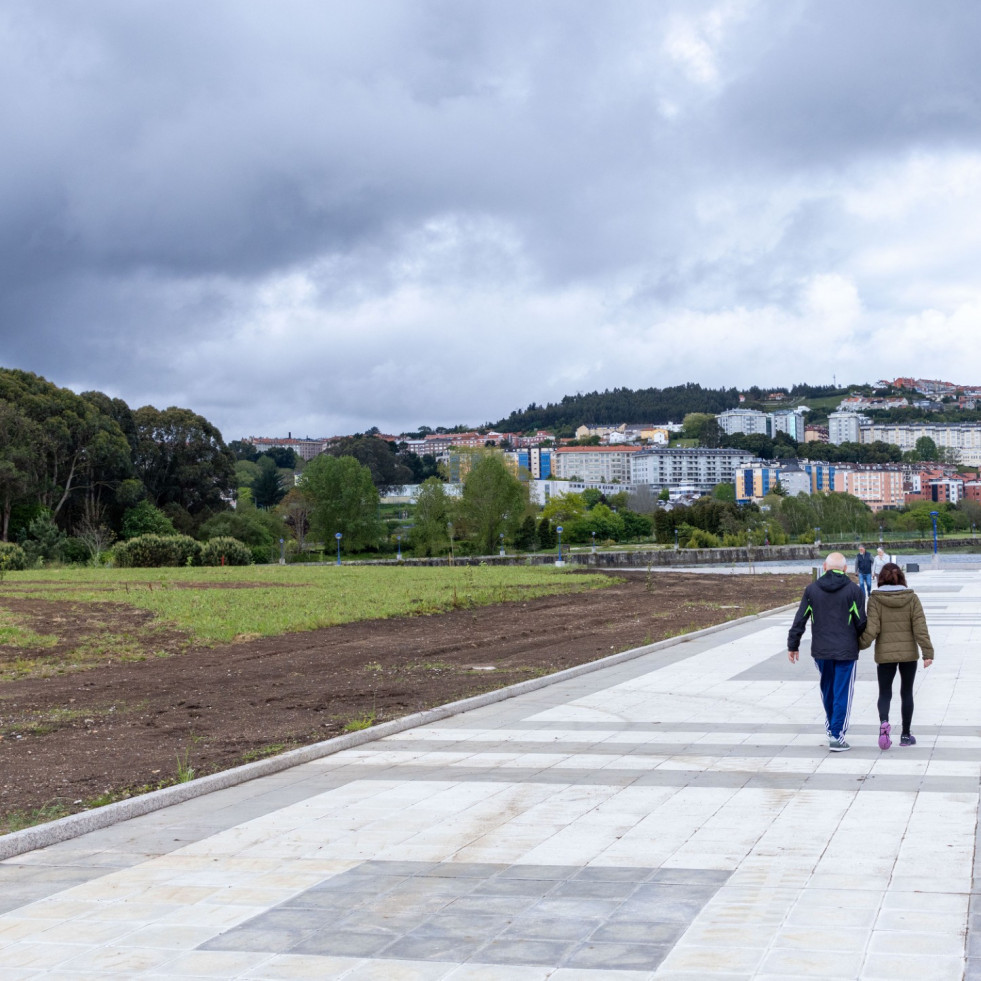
<point>12,634</point>
<point>18,820</point>
<point>260,601</point>
<point>363,721</point>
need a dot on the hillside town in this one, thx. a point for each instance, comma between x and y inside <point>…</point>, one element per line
<point>654,457</point>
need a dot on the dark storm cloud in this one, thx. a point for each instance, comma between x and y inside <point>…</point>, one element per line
<point>255,208</point>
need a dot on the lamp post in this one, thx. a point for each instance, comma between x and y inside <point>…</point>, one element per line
<point>880,533</point>
<point>558,531</point>
<point>973,532</point>
<point>338,536</point>
<point>449,528</point>
<point>594,540</point>
<point>817,536</point>
<point>676,539</point>
<point>501,537</point>
<point>398,538</point>
<point>933,518</point>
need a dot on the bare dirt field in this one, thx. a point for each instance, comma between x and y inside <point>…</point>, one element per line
<point>85,737</point>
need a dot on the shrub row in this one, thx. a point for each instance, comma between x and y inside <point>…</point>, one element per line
<point>154,551</point>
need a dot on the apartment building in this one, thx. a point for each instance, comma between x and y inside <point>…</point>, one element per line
<point>305,449</point>
<point>846,427</point>
<point>698,468</point>
<point>879,488</point>
<point>602,464</point>
<point>754,482</point>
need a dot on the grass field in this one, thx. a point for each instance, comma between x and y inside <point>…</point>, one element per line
<point>218,605</point>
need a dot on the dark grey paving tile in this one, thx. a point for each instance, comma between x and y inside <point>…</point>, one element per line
<point>973,947</point>
<point>601,873</point>
<point>467,870</point>
<point>514,887</point>
<point>339,944</point>
<point>638,932</point>
<point>586,909</point>
<point>618,957</point>
<point>656,911</point>
<point>506,905</point>
<point>363,921</point>
<point>535,927</point>
<point>585,889</point>
<point>472,926</point>
<point>708,876</point>
<point>972,969</point>
<point>538,871</point>
<point>514,951</point>
<point>433,949</point>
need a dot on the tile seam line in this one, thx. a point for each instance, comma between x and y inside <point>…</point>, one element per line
<point>75,825</point>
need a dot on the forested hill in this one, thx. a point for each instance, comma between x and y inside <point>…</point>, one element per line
<point>620,405</point>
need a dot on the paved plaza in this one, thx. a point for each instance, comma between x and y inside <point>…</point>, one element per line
<point>675,815</point>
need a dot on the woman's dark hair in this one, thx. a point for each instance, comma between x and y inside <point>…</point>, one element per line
<point>892,575</point>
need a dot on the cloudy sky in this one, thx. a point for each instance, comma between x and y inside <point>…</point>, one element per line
<point>318,216</point>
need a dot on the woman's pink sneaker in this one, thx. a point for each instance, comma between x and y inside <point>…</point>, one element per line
<point>884,741</point>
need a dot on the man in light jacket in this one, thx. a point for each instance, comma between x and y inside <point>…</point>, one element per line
<point>836,608</point>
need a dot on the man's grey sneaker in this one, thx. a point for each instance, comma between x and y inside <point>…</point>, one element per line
<point>907,740</point>
<point>839,745</point>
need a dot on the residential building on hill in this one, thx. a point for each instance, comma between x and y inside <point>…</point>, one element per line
<point>607,464</point>
<point>697,467</point>
<point>305,449</point>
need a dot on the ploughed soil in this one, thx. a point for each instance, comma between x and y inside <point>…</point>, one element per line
<point>83,737</point>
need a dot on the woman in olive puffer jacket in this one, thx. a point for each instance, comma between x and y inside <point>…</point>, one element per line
<point>897,626</point>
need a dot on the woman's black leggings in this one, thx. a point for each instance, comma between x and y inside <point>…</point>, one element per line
<point>887,672</point>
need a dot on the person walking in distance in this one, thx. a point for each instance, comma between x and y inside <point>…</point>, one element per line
<point>897,626</point>
<point>836,608</point>
<point>877,563</point>
<point>863,566</point>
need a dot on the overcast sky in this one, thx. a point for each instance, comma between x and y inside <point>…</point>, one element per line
<point>316,216</point>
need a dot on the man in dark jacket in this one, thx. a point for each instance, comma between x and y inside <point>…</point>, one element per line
<point>836,608</point>
<point>863,566</point>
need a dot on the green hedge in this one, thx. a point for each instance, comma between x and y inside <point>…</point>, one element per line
<point>153,551</point>
<point>12,557</point>
<point>225,551</point>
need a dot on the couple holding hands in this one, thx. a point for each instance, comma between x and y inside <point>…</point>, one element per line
<point>841,627</point>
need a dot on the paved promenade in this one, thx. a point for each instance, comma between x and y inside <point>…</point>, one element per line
<point>673,816</point>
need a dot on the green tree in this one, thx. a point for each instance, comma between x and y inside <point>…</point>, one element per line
<point>379,456</point>
<point>493,502</point>
<point>344,500</point>
<point>182,459</point>
<point>267,485</point>
<point>429,535</point>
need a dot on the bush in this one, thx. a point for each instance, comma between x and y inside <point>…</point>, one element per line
<point>225,551</point>
<point>262,554</point>
<point>154,551</point>
<point>145,519</point>
<point>702,539</point>
<point>75,551</point>
<point>12,557</point>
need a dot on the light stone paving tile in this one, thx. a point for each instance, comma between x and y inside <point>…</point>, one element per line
<point>705,960</point>
<point>907,942</point>
<point>920,922</point>
<point>398,970</point>
<point>889,967</point>
<point>833,937</point>
<point>785,963</point>
<point>492,972</point>
<point>298,967</point>
<point>211,964</point>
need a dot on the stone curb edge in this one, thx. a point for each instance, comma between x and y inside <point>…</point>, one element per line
<point>74,825</point>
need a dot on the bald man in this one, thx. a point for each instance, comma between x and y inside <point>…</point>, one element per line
<point>836,608</point>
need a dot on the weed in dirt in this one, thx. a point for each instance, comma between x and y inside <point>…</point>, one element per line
<point>18,820</point>
<point>263,751</point>
<point>185,772</point>
<point>374,667</point>
<point>363,721</point>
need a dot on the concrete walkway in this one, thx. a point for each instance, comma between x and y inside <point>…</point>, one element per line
<point>674,816</point>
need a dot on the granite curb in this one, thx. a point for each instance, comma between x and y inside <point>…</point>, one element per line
<point>42,835</point>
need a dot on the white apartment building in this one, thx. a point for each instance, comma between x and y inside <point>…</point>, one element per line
<point>789,421</point>
<point>845,427</point>
<point>599,464</point>
<point>964,438</point>
<point>749,421</point>
<point>696,467</point>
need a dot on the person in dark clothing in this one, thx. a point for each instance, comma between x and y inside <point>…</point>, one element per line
<point>863,566</point>
<point>836,608</point>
